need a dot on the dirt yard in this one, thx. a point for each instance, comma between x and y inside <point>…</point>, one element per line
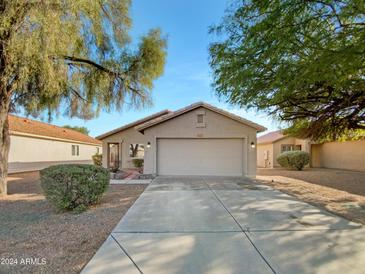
<point>339,191</point>
<point>54,242</point>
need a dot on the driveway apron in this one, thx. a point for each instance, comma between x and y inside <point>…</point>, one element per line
<point>227,225</point>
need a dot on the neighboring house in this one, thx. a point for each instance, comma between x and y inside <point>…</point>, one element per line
<point>199,139</point>
<point>35,145</point>
<point>270,145</point>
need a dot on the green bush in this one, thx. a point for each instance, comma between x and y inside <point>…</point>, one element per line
<point>138,162</point>
<point>294,159</point>
<point>74,186</point>
<point>97,159</point>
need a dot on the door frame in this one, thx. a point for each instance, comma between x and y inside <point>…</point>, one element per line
<point>108,153</point>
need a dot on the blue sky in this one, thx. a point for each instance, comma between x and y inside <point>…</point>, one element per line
<point>187,77</point>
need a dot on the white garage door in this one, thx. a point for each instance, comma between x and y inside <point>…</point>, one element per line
<point>218,157</point>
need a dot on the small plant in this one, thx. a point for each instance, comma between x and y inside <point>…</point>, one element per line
<point>114,169</point>
<point>74,186</point>
<point>293,159</point>
<point>138,162</point>
<point>97,159</point>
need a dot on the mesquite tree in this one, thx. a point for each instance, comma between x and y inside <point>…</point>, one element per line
<point>73,57</point>
<point>302,62</point>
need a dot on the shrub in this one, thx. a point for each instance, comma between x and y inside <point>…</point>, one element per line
<point>294,159</point>
<point>138,162</point>
<point>97,159</point>
<point>114,169</point>
<point>74,186</point>
<point>283,159</point>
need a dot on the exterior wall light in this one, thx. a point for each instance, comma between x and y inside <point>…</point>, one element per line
<point>148,144</point>
<point>252,144</point>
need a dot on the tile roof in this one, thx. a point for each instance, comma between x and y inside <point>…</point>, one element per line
<point>135,123</point>
<point>270,137</point>
<point>29,126</point>
<point>171,115</point>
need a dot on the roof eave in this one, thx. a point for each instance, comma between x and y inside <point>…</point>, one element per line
<point>133,124</point>
<point>19,133</point>
<point>177,113</point>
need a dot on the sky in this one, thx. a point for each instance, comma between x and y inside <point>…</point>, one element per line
<point>187,75</point>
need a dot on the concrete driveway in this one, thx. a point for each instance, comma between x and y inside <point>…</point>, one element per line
<point>227,225</point>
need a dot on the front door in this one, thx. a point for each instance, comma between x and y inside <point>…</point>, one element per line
<point>113,155</point>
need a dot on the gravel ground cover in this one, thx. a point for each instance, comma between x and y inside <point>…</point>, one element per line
<point>339,191</point>
<point>43,241</point>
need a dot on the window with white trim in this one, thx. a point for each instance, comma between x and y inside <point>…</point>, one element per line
<point>285,147</point>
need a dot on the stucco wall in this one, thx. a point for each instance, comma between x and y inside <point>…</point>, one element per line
<point>343,155</point>
<point>261,161</point>
<point>29,149</point>
<point>124,138</point>
<point>217,126</point>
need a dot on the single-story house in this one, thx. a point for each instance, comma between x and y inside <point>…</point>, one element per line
<point>35,145</point>
<point>270,145</point>
<point>199,139</point>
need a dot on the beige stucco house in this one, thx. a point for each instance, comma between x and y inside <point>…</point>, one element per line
<point>270,145</point>
<point>35,145</point>
<point>199,139</point>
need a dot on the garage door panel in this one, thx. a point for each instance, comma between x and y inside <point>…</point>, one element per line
<point>221,157</point>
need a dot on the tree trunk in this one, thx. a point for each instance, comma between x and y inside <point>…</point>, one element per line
<point>5,95</point>
<point>4,142</point>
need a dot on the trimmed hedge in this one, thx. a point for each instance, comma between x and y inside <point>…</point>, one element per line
<point>74,186</point>
<point>138,162</point>
<point>294,159</point>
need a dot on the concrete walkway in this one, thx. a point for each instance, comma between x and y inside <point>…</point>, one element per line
<point>130,182</point>
<point>227,225</point>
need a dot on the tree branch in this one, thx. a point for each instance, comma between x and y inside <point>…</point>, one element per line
<point>74,59</point>
<point>78,95</point>
<point>114,74</point>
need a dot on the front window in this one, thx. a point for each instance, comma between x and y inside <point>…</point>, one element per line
<point>285,148</point>
<point>75,151</point>
<point>136,151</point>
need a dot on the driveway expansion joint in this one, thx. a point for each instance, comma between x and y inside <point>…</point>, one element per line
<point>244,232</point>
<point>126,253</point>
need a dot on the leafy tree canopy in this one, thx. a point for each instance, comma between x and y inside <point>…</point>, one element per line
<point>75,56</point>
<point>83,130</point>
<point>302,62</point>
